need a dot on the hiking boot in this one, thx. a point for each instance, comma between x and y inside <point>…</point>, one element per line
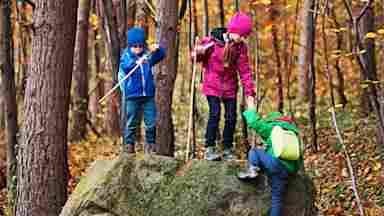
<point>128,148</point>
<point>251,173</point>
<point>149,149</point>
<point>211,154</point>
<point>229,155</point>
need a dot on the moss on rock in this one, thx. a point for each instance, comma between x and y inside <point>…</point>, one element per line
<point>149,186</point>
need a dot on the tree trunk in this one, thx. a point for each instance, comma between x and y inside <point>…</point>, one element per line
<point>141,15</point>
<point>312,74</point>
<point>2,110</point>
<point>370,73</point>
<point>367,24</point>
<point>80,73</point>
<point>9,94</point>
<point>24,43</point>
<point>206,18</point>
<point>195,29</point>
<point>97,90</point>
<point>166,75</point>
<point>339,73</point>
<point>113,46</point>
<point>42,160</point>
<point>131,13</point>
<point>237,5</point>
<point>221,13</point>
<point>123,24</point>
<point>307,19</point>
<point>276,50</point>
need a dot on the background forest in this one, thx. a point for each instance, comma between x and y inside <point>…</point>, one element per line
<point>318,60</point>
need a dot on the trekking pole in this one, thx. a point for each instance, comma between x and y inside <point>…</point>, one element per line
<point>191,105</point>
<point>126,77</point>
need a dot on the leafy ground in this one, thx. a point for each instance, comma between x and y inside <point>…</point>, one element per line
<point>327,167</point>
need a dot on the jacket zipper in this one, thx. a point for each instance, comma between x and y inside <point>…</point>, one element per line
<point>142,79</point>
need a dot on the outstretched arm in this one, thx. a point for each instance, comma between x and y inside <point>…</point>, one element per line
<point>253,119</point>
<point>202,50</point>
<point>245,72</point>
<point>157,55</point>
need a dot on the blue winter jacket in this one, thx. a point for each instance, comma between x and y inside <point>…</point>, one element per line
<point>141,82</point>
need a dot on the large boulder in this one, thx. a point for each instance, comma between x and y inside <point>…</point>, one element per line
<point>163,186</point>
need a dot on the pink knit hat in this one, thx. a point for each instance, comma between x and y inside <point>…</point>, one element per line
<point>240,24</point>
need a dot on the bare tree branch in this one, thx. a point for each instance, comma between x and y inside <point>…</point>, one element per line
<point>334,121</point>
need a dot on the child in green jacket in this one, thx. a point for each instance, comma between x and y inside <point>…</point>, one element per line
<point>265,160</point>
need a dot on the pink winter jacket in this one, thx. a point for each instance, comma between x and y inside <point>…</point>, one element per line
<point>223,82</point>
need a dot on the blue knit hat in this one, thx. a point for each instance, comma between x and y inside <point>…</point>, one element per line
<point>136,36</point>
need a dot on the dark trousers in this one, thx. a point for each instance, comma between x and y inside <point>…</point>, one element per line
<point>278,174</point>
<point>214,119</point>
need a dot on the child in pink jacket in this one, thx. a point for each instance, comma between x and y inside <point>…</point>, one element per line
<point>224,56</point>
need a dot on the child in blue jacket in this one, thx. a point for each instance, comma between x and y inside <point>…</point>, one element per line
<point>138,90</point>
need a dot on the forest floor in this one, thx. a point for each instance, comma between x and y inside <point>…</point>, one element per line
<point>327,167</point>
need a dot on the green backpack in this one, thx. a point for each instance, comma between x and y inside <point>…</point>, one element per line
<point>285,144</point>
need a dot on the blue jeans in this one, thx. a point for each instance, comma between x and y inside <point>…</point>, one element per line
<point>278,175</point>
<point>214,119</point>
<point>133,106</point>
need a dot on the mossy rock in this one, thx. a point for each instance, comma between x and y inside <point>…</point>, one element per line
<point>163,186</point>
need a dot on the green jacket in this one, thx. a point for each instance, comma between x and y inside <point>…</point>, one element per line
<point>264,127</point>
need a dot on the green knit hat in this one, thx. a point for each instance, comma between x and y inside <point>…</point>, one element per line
<point>272,116</point>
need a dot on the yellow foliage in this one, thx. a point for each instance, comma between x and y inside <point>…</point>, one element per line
<point>266,2</point>
<point>93,21</point>
<point>380,31</point>
<point>338,105</point>
<point>370,35</point>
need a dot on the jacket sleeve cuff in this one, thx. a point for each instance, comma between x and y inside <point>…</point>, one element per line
<point>251,116</point>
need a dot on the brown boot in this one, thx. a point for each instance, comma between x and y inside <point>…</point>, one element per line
<point>128,148</point>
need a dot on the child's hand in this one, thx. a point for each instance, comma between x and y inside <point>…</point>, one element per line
<point>199,49</point>
<point>153,47</point>
<point>141,60</point>
<point>250,102</point>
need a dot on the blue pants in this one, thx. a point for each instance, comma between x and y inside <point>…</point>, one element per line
<point>278,174</point>
<point>132,108</point>
<point>214,119</point>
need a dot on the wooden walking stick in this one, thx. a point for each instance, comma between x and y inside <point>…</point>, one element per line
<point>192,102</point>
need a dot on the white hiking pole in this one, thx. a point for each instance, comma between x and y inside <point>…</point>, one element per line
<point>126,77</point>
